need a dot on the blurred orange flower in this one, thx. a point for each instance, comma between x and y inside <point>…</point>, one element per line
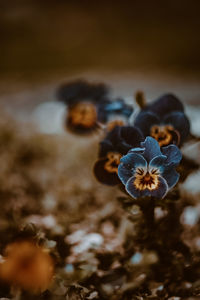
<point>27,266</point>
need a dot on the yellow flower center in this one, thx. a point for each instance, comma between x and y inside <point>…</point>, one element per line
<point>163,134</point>
<point>113,162</point>
<point>146,179</point>
<point>83,114</point>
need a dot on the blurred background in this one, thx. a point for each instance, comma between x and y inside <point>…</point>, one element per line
<point>130,44</point>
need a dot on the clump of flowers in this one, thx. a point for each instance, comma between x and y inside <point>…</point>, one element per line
<point>27,266</point>
<point>116,144</point>
<point>89,106</point>
<point>164,120</point>
<point>148,171</point>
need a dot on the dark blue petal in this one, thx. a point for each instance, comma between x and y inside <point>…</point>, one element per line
<point>134,159</point>
<point>137,150</point>
<point>81,90</point>
<point>165,105</point>
<point>127,110</point>
<point>102,115</point>
<point>114,106</point>
<point>173,154</point>
<point>158,161</point>
<point>124,173</point>
<point>171,176</point>
<point>129,137</point>
<point>114,135</point>
<point>105,147</point>
<point>145,120</point>
<point>128,163</point>
<point>118,106</point>
<point>123,138</point>
<point>104,176</point>
<point>162,189</point>
<point>152,148</point>
<point>159,193</point>
<point>180,122</point>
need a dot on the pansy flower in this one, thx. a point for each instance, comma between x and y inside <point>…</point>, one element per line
<point>89,106</point>
<point>164,120</point>
<point>149,171</point>
<point>116,144</point>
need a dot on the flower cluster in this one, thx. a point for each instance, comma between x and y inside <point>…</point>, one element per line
<point>144,157</point>
<point>142,152</point>
<point>89,106</point>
